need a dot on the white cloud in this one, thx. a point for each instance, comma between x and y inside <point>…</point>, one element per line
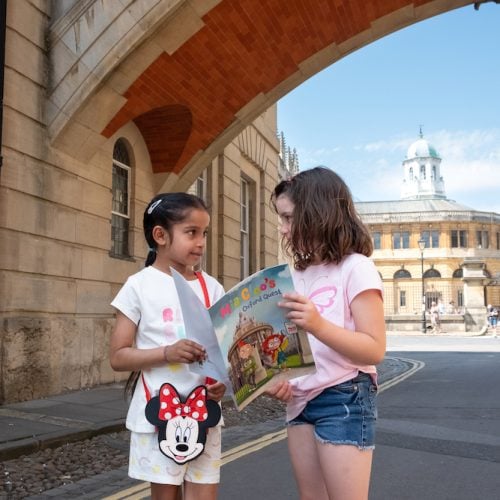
<point>475,183</point>
<point>322,156</point>
<point>470,166</point>
<point>390,146</point>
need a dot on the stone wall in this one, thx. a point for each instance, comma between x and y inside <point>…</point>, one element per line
<point>57,276</point>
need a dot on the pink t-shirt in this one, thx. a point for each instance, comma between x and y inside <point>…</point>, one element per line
<point>332,287</point>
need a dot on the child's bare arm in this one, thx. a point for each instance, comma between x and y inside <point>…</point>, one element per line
<point>366,345</point>
<point>125,357</point>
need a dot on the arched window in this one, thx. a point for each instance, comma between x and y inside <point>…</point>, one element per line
<point>432,273</point>
<point>120,207</point>
<point>411,173</point>
<point>401,273</point>
<point>433,175</point>
<point>458,273</point>
<point>422,171</point>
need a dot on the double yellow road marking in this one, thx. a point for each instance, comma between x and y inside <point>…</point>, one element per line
<point>142,491</point>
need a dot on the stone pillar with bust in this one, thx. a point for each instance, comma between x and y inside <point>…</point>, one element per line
<point>474,301</point>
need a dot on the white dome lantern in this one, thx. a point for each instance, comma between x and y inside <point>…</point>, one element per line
<point>421,149</point>
<point>422,172</point>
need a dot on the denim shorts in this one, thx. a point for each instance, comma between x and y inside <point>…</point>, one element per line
<point>344,414</point>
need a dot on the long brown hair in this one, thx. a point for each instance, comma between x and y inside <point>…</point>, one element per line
<point>325,225</point>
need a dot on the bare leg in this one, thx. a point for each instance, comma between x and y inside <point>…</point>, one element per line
<point>328,471</point>
<point>196,491</point>
<point>165,492</point>
<point>305,461</point>
<point>346,470</point>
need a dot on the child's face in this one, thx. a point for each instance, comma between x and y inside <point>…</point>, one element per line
<point>284,207</point>
<point>187,246</point>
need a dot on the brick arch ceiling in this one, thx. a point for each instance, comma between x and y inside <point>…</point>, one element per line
<point>245,49</point>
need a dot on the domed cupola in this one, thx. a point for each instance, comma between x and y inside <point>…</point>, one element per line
<point>422,172</point>
<point>421,149</point>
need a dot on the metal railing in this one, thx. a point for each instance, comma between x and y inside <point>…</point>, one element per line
<point>405,296</point>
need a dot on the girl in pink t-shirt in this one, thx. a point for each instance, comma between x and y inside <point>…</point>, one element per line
<point>331,413</point>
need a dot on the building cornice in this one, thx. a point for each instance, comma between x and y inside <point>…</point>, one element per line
<point>437,216</point>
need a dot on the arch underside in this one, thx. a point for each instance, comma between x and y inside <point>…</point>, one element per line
<point>189,103</point>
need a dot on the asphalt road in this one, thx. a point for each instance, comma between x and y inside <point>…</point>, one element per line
<point>438,434</point>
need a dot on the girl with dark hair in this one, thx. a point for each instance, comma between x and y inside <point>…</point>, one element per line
<point>331,413</point>
<point>149,340</point>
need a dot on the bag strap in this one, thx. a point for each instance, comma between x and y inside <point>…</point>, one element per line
<point>206,297</point>
<point>204,288</point>
<point>147,392</point>
<point>201,279</point>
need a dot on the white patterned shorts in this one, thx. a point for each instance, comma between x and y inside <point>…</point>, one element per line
<point>148,463</point>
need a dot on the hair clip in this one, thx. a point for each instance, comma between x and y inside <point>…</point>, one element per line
<point>154,205</point>
<point>150,249</point>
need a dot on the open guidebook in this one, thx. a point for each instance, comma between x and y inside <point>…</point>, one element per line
<point>249,341</point>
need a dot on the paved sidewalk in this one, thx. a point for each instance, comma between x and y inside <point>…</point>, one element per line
<point>41,423</point>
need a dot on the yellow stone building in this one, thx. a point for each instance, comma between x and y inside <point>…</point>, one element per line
<point>429,248</point>
<point>71,218</point>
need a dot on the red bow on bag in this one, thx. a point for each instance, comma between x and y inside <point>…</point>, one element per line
<point>171,405</point>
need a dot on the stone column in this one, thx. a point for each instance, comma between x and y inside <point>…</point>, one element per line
<point>474,283</point>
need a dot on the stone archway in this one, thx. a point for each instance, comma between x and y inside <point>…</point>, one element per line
<point>220,62</point>
<point>177,80</point>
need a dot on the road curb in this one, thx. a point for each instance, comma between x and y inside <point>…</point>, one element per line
<point>15,449</point>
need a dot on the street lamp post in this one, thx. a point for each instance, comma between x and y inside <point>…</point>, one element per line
<point>421,246</point>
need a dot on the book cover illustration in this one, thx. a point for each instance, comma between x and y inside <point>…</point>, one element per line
<point>255,341</point>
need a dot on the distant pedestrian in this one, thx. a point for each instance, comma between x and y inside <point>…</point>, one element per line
<point>168,438</point>
<point>331,413</point>
<point>440,306</point>
<point>435,318</point>
<point>451,307</point>
<point>492,317</point>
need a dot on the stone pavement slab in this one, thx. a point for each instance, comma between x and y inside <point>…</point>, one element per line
<point>33,425</point>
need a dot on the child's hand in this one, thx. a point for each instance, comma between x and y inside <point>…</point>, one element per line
<point>303,312</point>
<point>184,351</point>
<point>282,390</point>
<point>216,391</point>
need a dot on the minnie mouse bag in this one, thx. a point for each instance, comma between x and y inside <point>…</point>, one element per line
<point>182,424</point>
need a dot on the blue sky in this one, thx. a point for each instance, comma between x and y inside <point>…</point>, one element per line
<point>360,115</point>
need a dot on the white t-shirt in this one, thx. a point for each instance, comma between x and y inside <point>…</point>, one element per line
<point>332,288</point>
<point>149,299</point>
